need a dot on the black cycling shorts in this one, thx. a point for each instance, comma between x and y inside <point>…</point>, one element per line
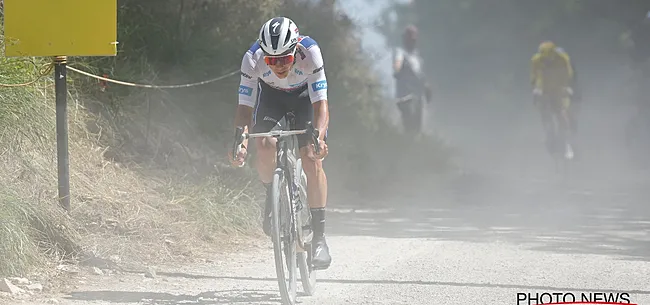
<point>273,104</point>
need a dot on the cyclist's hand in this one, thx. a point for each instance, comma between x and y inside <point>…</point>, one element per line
<point>537,93</point>
<point>311,153</point>
<point>240,159</point>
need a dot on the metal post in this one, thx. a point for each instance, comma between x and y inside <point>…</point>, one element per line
<point>63,162</point>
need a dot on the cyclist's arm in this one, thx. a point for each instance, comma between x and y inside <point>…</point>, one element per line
<point>317,83</point>
<point>247,92</point>
<point>574,79</point>
<point>568,65</point>
<point>533,70</point>
<point>321,117</point>
<point>244,116</point>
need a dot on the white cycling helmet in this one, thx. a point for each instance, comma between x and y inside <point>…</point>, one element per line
<point>279,36</point>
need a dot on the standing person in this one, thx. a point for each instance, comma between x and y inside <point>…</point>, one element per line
<point>637,44</point>
<point>638,50</point>
<point>411,86</point>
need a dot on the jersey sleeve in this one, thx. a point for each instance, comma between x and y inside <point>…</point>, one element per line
<point>249,80</point>
<point>316,79</point>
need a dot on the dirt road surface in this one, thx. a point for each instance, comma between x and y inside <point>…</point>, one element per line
<point>481,242</point>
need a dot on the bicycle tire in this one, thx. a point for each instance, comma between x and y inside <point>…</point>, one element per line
<point>562,164</point>
<point>284,250</point>
<point>307,273</point>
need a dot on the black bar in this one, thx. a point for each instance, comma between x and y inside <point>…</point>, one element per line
<point>63,161</point>
<point>239,132</point>
<point>311,130</point>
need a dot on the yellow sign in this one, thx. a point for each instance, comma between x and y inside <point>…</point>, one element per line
<point>60,27</point>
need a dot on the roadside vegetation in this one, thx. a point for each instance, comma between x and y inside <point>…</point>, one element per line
<point>149,178</point>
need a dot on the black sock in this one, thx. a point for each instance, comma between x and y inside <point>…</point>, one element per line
<point>318,221</point>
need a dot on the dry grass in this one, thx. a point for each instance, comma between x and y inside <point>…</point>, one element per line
<point>31,233</point>
<point>33,228</point>
<point>117,210</point>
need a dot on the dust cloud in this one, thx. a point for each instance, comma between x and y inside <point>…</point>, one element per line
<point>507,186</point>
<point>483,104</point>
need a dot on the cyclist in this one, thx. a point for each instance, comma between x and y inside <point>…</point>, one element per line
<point>410,80</point>
<point>283,71</point>
<point>551,78</point>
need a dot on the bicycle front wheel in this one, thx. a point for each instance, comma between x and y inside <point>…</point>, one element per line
<point>284,242</point>
<point>307,273</point>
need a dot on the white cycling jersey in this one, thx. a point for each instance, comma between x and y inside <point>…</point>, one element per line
<point>307,70</point>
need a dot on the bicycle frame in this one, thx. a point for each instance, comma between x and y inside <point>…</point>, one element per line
<point>284,162</point>
<point>289,234</point>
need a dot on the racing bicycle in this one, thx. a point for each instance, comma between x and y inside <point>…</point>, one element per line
<point>291,232</point>
<point>557,133</point>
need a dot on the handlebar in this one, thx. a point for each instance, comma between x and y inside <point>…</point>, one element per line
<point>240,136</point>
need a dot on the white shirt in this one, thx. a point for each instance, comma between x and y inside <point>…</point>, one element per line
<point>413,58</point>
<point>307,69</point>
<point>411,76</point>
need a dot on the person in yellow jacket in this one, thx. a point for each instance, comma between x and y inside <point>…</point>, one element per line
<point>552,77</point>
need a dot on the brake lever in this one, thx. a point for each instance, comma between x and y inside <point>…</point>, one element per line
<point>239,139</point>
<point>314,136</point>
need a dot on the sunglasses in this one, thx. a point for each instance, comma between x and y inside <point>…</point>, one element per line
<point>279,60</point>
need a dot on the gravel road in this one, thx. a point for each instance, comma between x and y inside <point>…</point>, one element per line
<point>481,242</point>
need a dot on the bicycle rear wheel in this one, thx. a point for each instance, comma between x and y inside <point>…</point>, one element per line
<point>284,242</point>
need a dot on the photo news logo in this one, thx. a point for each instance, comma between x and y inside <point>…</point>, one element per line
<point>585,298</point>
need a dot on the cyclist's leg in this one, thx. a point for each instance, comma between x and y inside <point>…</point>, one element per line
<point>562,106</point>
<point>267,115</point>
<point>565,111</point>
<point>268,112</point>
<point>546,115</point>
<point>573,110</point>
<point>316,184</point>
